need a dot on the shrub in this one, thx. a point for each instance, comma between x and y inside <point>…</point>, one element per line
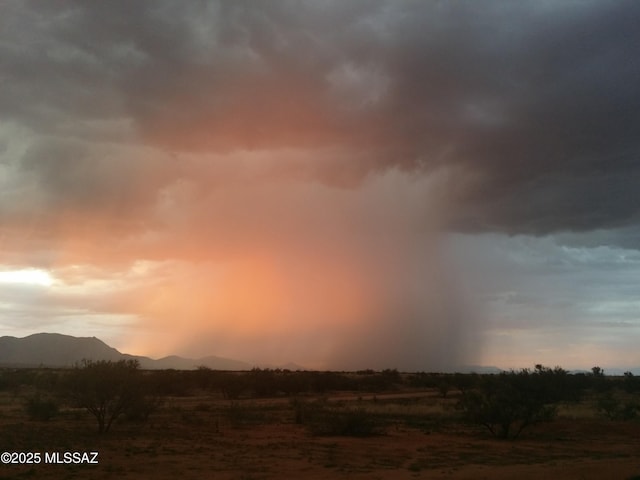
<point>240,414</point>
<point>631,382</point>
<point>615,409</point>
<point>508,403</point>
<point>322,419</point>
<point>41,409</point>
<point>141,407</point>
<point>349,422</point>
<point>107,389</point>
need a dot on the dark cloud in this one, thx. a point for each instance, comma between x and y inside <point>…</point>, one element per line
<point>530,109</point>
<point>82,176</point>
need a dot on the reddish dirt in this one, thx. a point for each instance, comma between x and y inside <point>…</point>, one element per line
<point>191,438</point>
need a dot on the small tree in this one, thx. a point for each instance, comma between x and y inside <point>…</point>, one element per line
<point>508,403</point>
<point>106,389</point>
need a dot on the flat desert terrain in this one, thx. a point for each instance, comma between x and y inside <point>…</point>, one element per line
<point>411,433</point>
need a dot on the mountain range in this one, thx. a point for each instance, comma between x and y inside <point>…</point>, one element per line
<point>57,350</point>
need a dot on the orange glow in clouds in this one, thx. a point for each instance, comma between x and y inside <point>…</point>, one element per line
<point>251,298</point>
<point>264,295</point>
<point>263,268</point>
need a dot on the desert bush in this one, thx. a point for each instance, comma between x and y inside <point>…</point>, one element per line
<point>322,382</point>
<point>141,408</point>
<point>232,385</point>
<point>40,408</point>
<point>239,414</point>
<point>422,380</point>
<point>262,382</point>
<point>46,379</point>
<point>557,385</point>
<point>598,382</point>
<point>443,388</point>
<point>324,419</point>
<point>107,389</point>
<point>293,383</point>
<point>508,403</point>
<point>631,382</point>
<point>351,422</point>
<point>172,382</point>
<point>465,381</point>
<point>614,408</point>
<point>305,410</point>
<point>16,378</point>
<point>370,381</point>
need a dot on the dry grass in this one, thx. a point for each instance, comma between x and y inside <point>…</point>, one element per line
<point>419,435</point>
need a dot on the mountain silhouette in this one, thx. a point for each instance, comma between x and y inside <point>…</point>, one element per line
<point>57,350</point>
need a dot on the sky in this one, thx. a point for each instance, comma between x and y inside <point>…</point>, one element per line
<point>340,184</point>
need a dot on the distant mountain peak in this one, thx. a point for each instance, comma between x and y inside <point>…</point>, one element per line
<point>59,350</point>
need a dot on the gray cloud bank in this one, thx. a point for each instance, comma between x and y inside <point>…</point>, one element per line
<point>527,112</point>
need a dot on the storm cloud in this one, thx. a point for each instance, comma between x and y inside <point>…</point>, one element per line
<point>529,111</point>
<point>326,137</point>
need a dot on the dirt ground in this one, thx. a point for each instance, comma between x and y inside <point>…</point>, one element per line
<point>208,437</point>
